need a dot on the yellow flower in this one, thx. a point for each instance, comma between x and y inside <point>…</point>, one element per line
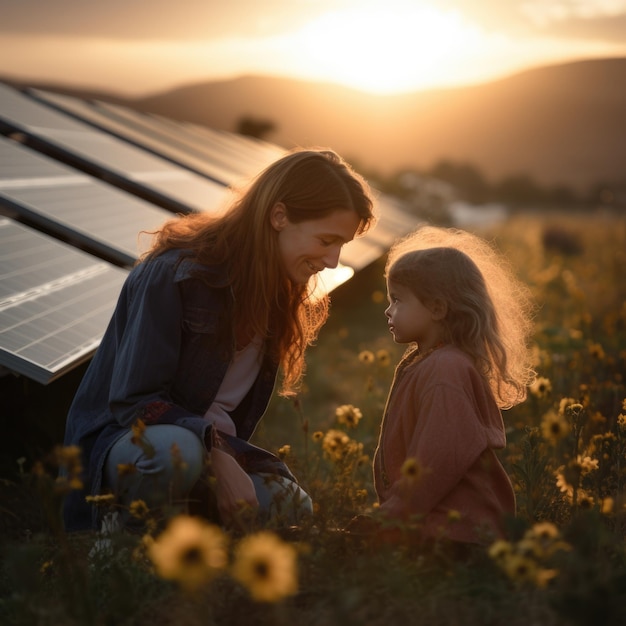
<point>284,451</point>
<point>587,464</point>
<point>138,509</point>
<point>383,357</point>
<point>500,550</point>
<point>335,443</point>
<point>562,483</point>
<point>366,356</point>
<point>597,351</point>
<point>318,436</point>
<point>564,404</point>
<point>520,568</point>
<point>189,551</point>
<point>266,566</point>
<point>607,505</point>
<point>543,531</point>
<point>105,498</point>
<point>554,427</point>
<point>138,428</point>
<point>412,470</point>
<point>541,387</point>
<point>348,415</point>
<point>544,576</point>
<point>126,469</point>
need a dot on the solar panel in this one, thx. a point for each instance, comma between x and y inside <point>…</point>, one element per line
<point>69,204</point>
<point>242,156</point>
<point>55,302</point>
<point>106,156</point>
<point>142,135</point>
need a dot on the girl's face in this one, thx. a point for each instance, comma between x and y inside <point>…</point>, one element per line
<point>309,247</point>
<point>410,320</point>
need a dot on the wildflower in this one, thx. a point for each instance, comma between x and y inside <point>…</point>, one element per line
<point>586,464</point>
<point>126,469</point>
<point>189,551</point>
<point>500,550</point>
<point>564,404</point>
<point>266,566</point>
<point>335,444</point>
<point>361,495</point>
<point>606,507</point>
<point>348,415</point>
<point>520,568</point>
<point>363,460</point>
<point>597,351</point>
<point>412,470</point>
<point>68,459</point>
<point>366,356</point>
<point>543,577</point>
<point>543,531</point>
<point>138,509</point>
<point>138,428</point>
<point>541,387</point>
<point>562,483</point>
<point>554,427</point>
<point>178,463</point>
<point>284,451</point>
<point>585,500</point>
<point>529,547</point>
<point>621,421</point>
<point>105,498</point>
<point>318,436</point>
<point>383,357</point>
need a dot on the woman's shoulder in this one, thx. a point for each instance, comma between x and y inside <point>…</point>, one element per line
<point>183,266</point>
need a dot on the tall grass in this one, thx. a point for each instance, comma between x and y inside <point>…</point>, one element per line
<point>564,561</point>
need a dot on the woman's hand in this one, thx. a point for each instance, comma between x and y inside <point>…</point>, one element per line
<point>236,496</point>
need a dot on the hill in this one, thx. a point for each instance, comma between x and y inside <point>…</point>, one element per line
<point>561,124</point>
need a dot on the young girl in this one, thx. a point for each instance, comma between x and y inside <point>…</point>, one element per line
<point>467,318</point>
<point>188,363</point>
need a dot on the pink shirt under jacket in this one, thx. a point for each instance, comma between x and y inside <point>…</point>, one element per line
<point>441,412</point>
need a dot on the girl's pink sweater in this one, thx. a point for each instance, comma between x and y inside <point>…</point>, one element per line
<point>441,412</point>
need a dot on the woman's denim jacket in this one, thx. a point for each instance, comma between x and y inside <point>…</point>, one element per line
<point>162,360</point>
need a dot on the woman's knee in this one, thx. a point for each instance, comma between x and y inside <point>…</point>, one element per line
<point>281,500</point>
<point>167,453</point>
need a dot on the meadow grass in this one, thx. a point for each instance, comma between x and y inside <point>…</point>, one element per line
<point>564,561</point>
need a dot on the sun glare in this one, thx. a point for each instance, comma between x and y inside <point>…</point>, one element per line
<point>390,48</point>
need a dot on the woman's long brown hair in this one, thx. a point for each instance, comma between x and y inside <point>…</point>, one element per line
<point>311,184</point>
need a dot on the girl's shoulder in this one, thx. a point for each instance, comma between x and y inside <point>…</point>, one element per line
<point>444,363</point>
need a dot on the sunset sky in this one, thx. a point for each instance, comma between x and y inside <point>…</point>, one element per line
<point>135,47</point>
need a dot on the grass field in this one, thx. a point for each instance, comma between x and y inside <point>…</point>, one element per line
<point>564,562</point>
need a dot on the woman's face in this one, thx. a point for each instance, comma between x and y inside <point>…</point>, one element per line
<point>309,247</point>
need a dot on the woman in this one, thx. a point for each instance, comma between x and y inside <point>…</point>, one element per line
<point>189,361</point>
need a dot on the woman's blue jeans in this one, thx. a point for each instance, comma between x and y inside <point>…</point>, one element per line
<point>163,476</point>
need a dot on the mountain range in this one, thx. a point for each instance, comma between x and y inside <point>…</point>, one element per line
<point>560,124</point>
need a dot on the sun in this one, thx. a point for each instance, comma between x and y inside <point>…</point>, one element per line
<point>384,47</point>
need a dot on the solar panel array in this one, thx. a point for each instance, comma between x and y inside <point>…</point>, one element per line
<point>79,182</point>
